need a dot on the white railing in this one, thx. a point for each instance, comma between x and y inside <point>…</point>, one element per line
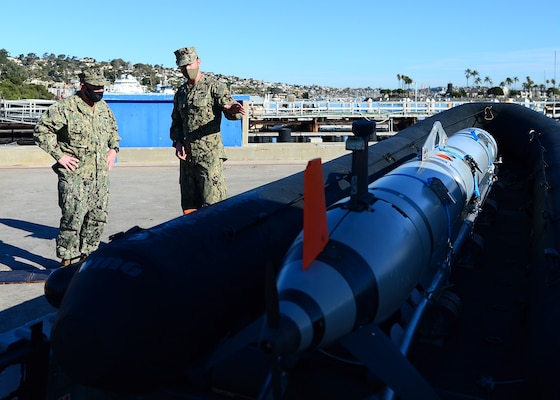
<point>22,111</point>
<point>29,111</point>
<point>310,109</point>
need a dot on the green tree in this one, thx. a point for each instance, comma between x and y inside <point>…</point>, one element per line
<point>407,80</point>
<point>12,91</point>
<point>528,85</point>
<point>478,81</point>
<point>495,91</point>
<point>468,74</point>
<point>9,70</point>
<point>475,75</point>
<point>3,56</point>
<point>552,91</point>
<point>509,82</point>
<point>119,66</point>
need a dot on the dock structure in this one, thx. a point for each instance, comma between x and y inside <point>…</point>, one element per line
<point>314,116</point>
<point>313,120</point>
<point>306,120</point>
<point>17,118</point>
<point>22,112</point>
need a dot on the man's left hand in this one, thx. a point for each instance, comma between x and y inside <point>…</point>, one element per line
<point>111,157</point>
<point>235,108</point>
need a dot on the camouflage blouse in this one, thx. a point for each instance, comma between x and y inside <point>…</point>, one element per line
<point>71,127</point>
<point>197,115</point>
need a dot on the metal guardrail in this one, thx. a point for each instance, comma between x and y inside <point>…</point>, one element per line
<point>29,111</point>
<point>26,112</point>
<point>314,109</point>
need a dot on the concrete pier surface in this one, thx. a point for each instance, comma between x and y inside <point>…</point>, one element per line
<point>144,192</point>
<point>12,155</point>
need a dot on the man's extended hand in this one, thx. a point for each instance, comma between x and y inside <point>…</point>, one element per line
<point>234,108</point>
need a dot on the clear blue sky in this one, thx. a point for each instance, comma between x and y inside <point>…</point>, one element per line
<point>340,43</point>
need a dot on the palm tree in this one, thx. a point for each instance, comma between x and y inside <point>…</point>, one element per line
<point>399,79</point>
<point>407,80</point>
<point>528,85</point>
<point>478,81</point>
<point>509,82</point>
<point>475,74</point>
<point>488,80</point>
<point>468,74</point>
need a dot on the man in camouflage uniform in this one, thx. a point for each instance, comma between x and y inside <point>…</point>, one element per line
<point>195,132</point>
<point>80,133</point>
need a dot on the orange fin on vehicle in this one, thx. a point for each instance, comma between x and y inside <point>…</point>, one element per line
<point>315,227</point>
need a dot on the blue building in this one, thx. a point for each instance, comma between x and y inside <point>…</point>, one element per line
<point>144,120</point>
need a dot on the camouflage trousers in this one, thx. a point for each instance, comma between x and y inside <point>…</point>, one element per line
<point>201,184</point>
<point>83,203</point>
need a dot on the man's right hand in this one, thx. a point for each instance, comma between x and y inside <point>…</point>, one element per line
<point>69,162</point>
<point>180,151</point>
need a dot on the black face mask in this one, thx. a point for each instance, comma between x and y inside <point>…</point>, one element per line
<point>93,96</point>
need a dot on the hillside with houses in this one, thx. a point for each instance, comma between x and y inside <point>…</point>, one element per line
<point>51,76</point>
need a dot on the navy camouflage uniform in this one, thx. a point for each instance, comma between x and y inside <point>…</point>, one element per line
<point>196,119</point>
<point>71,127</point>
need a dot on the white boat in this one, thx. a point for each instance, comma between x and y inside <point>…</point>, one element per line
<point>126,84</point>
<point>165,87</point>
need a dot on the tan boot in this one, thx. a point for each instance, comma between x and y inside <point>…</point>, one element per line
<point>65,263</point>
